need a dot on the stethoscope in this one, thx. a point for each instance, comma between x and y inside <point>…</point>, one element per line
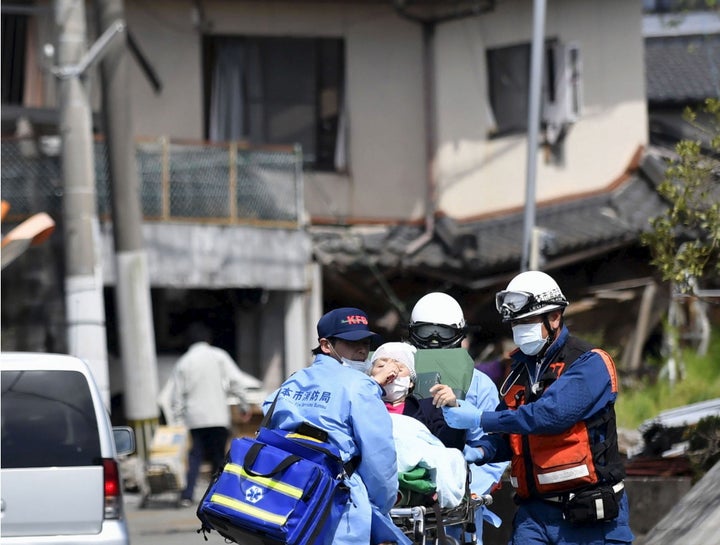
<point>516,373</point>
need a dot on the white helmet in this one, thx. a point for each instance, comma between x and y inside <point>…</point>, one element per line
<point>437,321</point>
<point>528,294</point>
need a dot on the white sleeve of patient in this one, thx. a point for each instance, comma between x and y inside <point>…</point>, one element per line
<point>416,446</point>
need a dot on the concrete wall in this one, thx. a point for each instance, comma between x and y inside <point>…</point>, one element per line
<point>219,256</point>
<point>164,31</point>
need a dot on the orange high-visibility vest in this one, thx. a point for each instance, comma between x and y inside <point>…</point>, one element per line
<point>577,458</point>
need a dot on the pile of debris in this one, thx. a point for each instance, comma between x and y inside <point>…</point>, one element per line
<point>679,442</point>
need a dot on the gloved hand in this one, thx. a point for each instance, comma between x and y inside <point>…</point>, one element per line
<point>462,417</point>
<point>473,455</point>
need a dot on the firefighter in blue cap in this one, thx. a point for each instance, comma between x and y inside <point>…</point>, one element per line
<point>352,412</point>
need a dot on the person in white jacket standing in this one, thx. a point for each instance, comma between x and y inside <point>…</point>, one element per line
<point>202,379</point>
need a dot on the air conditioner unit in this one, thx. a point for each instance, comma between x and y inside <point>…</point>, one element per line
<point>562,97</point>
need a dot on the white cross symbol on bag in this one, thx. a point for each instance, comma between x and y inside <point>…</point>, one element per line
<point>254,494</point>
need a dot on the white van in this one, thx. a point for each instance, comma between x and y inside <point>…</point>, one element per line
<point>59,477</point>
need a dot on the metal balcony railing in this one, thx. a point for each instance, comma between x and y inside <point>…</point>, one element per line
<point>179,181</point>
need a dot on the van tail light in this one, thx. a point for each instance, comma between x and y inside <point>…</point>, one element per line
<point>112,492</point>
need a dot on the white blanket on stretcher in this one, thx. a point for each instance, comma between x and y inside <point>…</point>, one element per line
<point>416,446</point>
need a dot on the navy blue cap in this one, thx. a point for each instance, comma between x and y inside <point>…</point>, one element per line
<point>347,323</point>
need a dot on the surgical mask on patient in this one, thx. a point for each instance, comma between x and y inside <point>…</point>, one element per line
<point>362,366</point>
<point>528,338</point>
<point>397,389</point>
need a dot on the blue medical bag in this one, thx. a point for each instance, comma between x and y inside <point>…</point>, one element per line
<point>277,488</point>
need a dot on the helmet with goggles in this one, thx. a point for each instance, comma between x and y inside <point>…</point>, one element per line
<point>529,294</point>
<point>437,321</point>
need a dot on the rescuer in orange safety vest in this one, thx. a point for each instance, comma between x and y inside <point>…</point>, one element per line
<point>555,423</point>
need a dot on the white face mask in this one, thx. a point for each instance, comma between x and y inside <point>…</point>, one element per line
<point>396,390</point>
<point>362,366</point>
<point>528,338</point>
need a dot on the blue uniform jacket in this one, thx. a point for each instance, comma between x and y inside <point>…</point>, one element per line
<point>483,394</point>
<point>348,405</point>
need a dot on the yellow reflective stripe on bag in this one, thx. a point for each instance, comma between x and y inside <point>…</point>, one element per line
<point>283,488</point>
<point>303,437</point>
<point>248,509</point>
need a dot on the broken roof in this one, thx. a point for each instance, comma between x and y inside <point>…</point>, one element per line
<point>468,253</point>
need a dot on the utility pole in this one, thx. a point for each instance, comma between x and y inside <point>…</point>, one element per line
<point>132,288</point>
<point>85,308</point>
<point>530,249</point>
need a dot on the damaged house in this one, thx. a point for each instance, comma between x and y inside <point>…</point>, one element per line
<point>410,121</point>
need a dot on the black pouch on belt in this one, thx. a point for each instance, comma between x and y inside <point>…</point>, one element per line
<point>599,504</point>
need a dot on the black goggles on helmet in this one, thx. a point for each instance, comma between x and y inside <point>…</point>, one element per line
<point>426,331</point>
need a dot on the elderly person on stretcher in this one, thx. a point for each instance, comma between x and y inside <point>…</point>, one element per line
<point>423,440</point>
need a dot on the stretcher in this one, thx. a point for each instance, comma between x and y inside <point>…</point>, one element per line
<point>428,523</point>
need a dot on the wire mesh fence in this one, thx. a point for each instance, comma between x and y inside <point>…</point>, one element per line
<point>200,182</point>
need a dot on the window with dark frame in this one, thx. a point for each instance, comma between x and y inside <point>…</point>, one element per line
<point>284,91</point>
<point>14,37</point>
<point>509,84</point>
